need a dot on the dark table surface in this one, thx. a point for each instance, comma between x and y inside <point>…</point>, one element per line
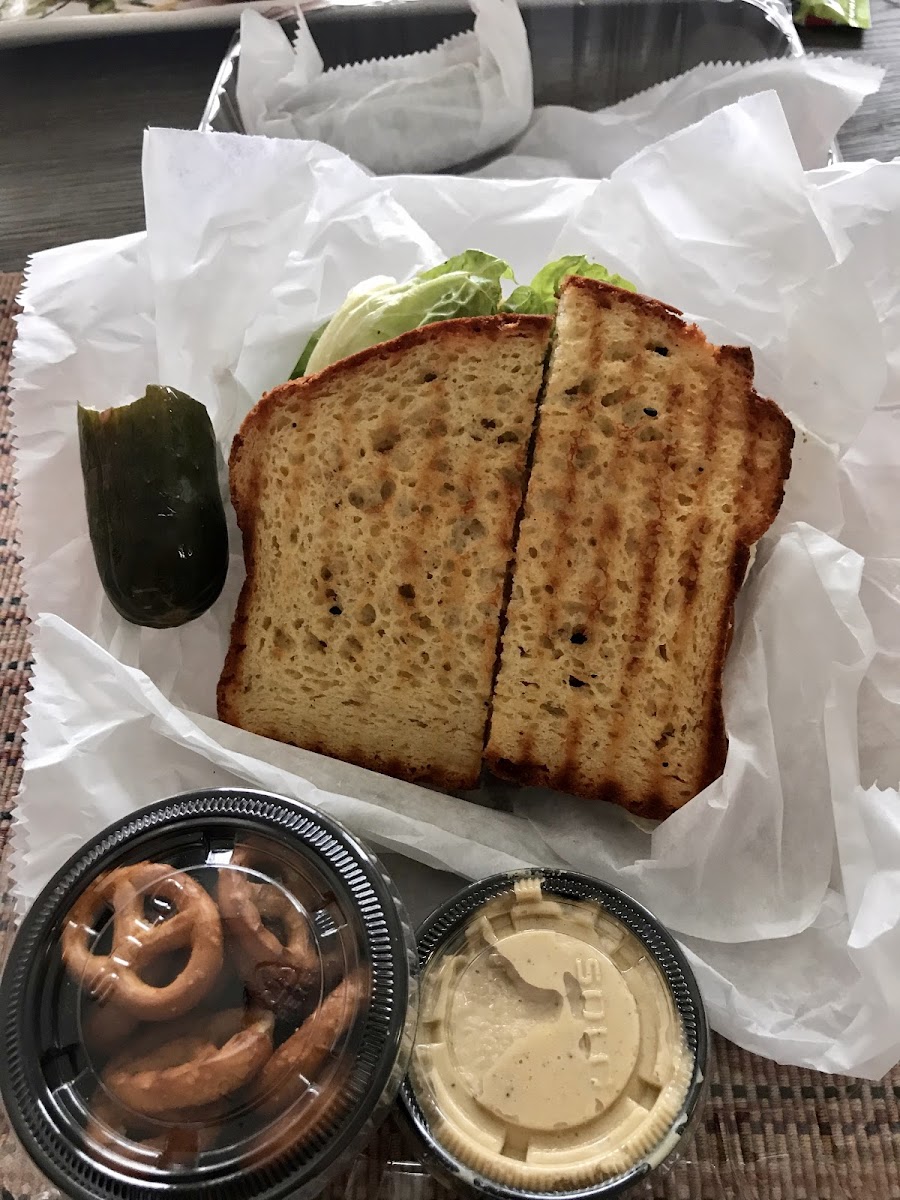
<point>72,116</point>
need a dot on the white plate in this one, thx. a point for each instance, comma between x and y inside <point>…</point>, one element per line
<point>28,21</point>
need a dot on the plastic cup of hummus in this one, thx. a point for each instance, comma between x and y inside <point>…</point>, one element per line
<point>562,1043</point>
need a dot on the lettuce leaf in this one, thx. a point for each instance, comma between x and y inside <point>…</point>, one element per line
<point>541,294</point>
<point>467,285</point>
<point>475,262</point>
<point>304,358</point>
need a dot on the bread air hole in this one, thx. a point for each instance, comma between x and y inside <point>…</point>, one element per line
<point>385,440</point>
<point>282,641</point>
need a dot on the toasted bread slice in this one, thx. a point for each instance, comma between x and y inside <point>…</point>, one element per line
<point>656,467</point>
<point>377,501</point>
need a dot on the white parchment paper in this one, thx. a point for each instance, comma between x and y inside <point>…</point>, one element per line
<point>782,879</point>
<point>420,112</point>
<point>817,95</point>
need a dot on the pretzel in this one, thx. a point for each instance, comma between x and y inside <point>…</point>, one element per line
<point>177,1138</point>
<point>293,1130</point>
<point>287,1074</point>
<point>282,973</point>
<point>137,943</point>
<point>245,906</point>
<point>105,1028</point>
<point>211,1057</point>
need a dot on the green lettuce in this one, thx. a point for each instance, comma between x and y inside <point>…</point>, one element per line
<point>473,262</point>
<point>468,285</point>
<point>540,296</point>
<point>854,13</point>
<point>303,360</point>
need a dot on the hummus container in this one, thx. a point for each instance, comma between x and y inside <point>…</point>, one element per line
<point>562,1043</point>
<point>217,996</point>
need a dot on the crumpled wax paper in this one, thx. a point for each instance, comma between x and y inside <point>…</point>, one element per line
<point>419,112</point>
<point>473,95</point>
<point>782,879</point>
<point>818,94</point>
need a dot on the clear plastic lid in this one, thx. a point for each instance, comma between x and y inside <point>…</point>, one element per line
<point>227,1002</point>
<point>561,1042</point>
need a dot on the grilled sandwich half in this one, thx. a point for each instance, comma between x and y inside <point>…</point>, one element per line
<point>656,467</point>
<point>377,501</point>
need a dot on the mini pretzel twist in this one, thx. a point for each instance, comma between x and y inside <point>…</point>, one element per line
<point>209,1059</point>
<point>137,942</point>
<point>293,1066</point>
<point>279,970</point>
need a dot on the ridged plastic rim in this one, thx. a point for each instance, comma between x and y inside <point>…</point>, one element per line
<point>385,1043</point>
<point>453,915</point>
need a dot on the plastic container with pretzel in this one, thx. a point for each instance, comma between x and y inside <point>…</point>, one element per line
<point>217,995</point>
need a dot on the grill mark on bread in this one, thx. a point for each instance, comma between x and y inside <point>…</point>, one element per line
<point>619,479</point>
<point>687,560</point>
<point>624,683</point>
<point>715,717</point>
<point>554,617</point>
<point>644,595</point>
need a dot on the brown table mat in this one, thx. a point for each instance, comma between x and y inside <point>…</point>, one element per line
<point>767,1132</point>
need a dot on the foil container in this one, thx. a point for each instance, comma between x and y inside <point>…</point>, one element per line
<point>586,55</point>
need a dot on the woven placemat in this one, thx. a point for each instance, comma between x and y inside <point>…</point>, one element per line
<point>767,1132</point>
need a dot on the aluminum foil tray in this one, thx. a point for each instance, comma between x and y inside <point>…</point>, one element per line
<point>589,54</point>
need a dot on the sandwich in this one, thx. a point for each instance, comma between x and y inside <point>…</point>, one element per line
<point>377,494</point>
<point>463,548</point>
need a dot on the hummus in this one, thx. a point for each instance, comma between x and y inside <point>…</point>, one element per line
<point>549,1051</point>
